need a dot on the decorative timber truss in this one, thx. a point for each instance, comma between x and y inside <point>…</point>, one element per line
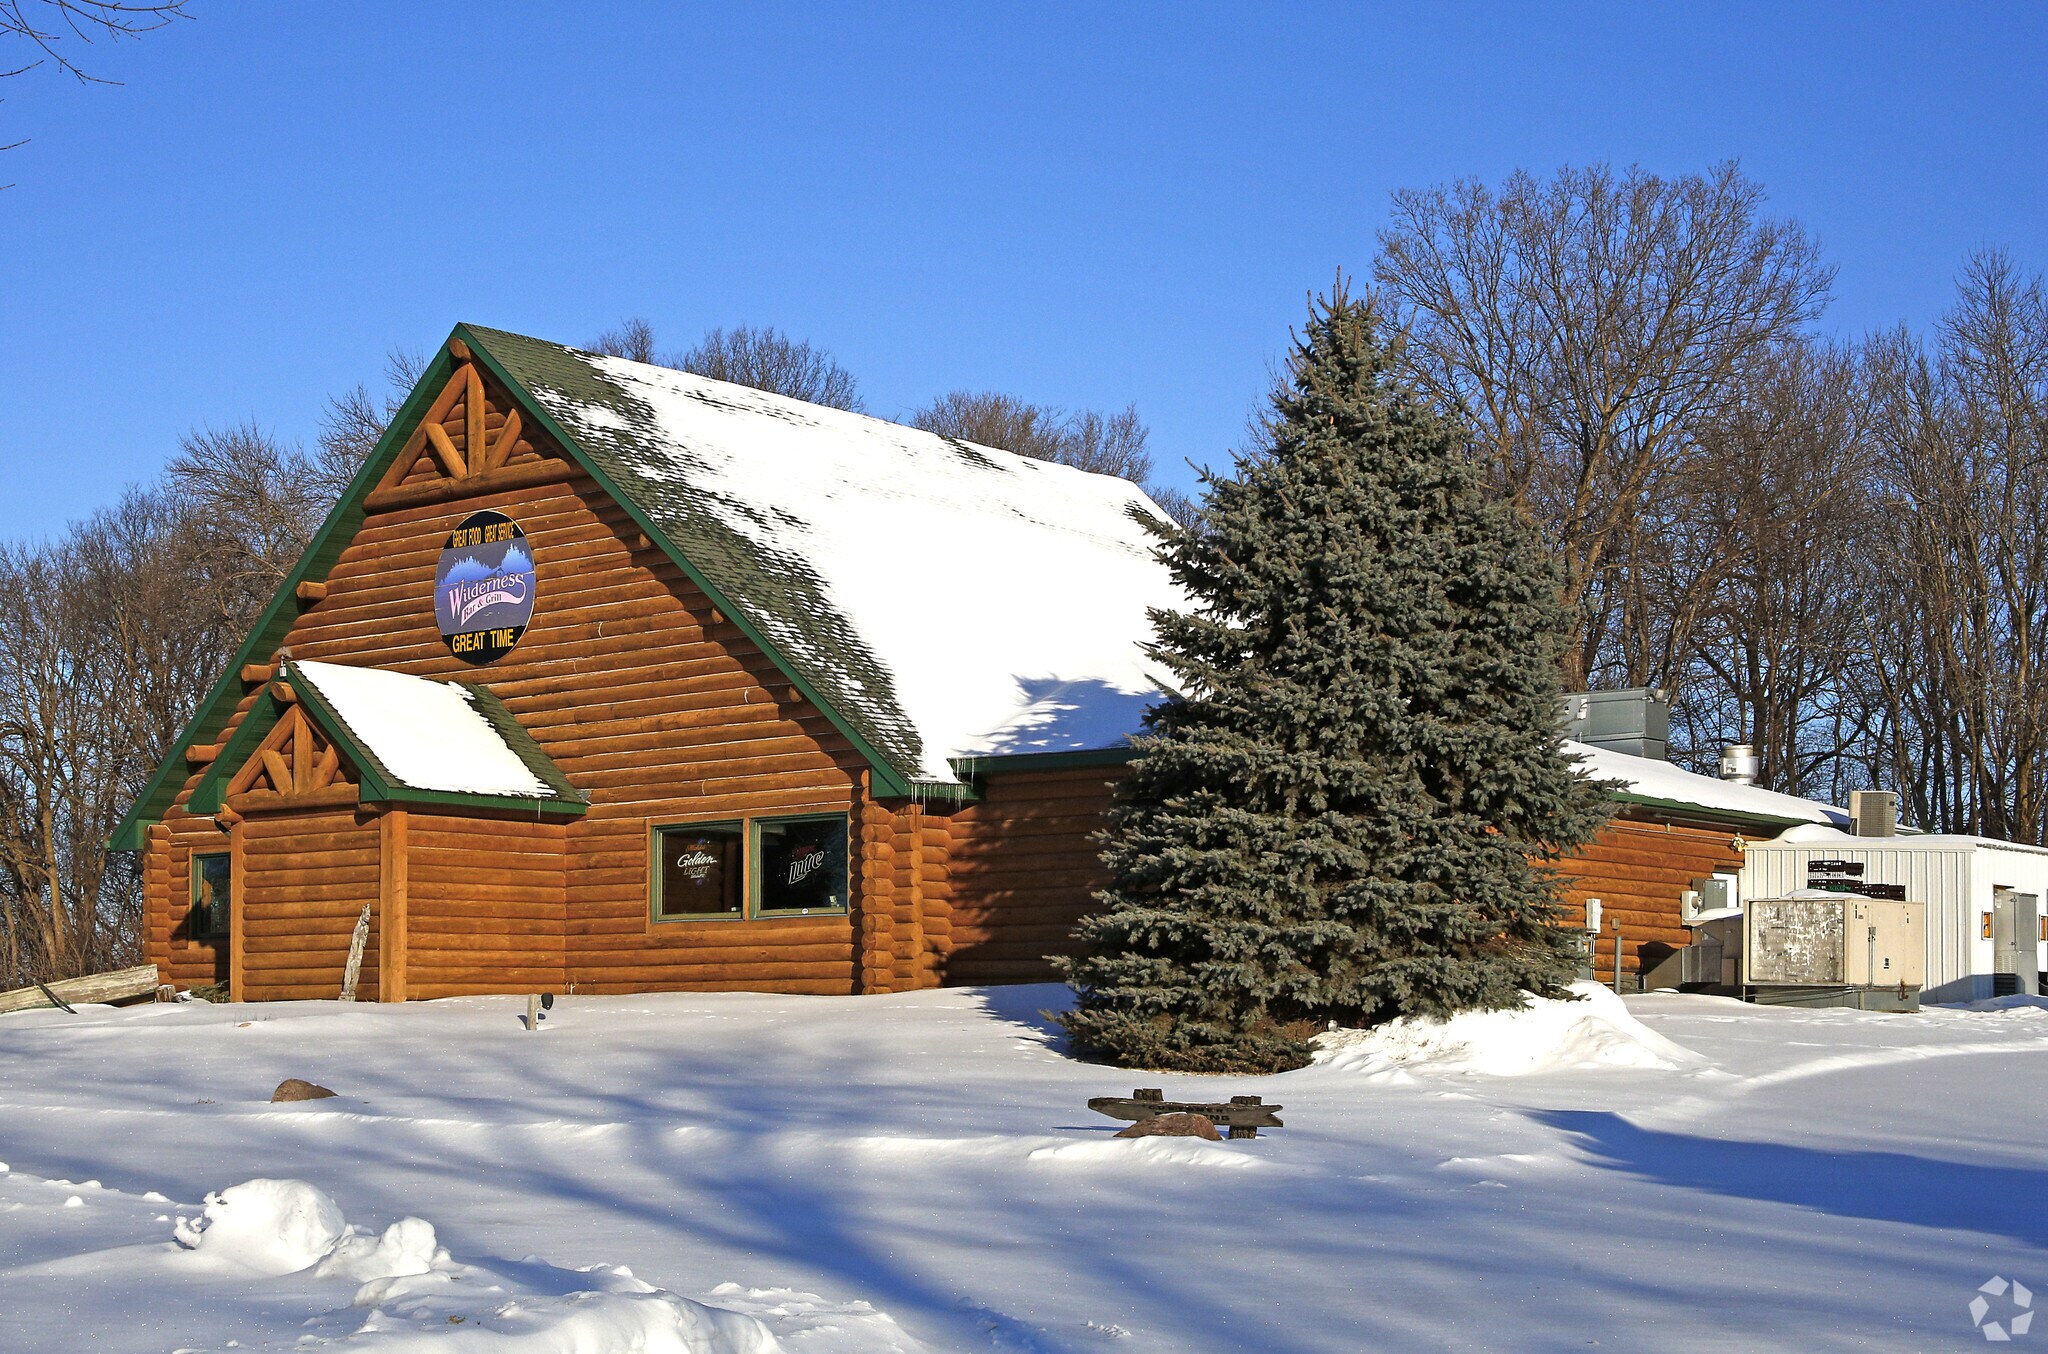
<point>471,439</point>
<point>294,760</point>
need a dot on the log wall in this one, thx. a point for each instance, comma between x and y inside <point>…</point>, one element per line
<point>1640,870</point>
<point>304,879</point>
<point>484,905</point>
<point>180,958</point>
<point>1023,869</point>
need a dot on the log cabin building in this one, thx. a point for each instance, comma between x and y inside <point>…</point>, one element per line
<point>603,677</point>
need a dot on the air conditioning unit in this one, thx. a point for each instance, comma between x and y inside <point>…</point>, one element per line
<point>1874,813</point>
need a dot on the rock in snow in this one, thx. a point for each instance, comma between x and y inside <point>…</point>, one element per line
<point>291,1088</point>
<point>1174,1126</point>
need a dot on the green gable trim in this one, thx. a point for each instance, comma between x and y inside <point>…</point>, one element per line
<point>888,780</point>
<point>275,623</point>
<point>375,782</point>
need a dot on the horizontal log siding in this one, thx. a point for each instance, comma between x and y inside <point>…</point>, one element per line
<point>167,904</point>
<point>1022,867</point>
<point>298,918</point>
<point>1640,870</point>
<point>904,920</point>
<point>654,708</point>
<point>485,905</point>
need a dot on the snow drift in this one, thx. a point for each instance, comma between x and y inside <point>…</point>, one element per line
<point>1594,1030</point>
<point>414,1296</point>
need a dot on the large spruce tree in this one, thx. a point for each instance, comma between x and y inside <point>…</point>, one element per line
<point>1346,814</point>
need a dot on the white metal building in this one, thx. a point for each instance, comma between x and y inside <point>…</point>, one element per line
<point>1966,882</point>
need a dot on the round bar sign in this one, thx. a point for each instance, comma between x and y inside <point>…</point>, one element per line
<point>483,587</point>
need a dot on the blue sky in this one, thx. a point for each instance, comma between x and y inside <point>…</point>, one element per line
<point>1082,205</point>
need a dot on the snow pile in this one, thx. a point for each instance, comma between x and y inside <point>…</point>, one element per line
<point>1547,1035</point>
<point>265,1227</point>
<point>418,1297</point>
<point>611,1313</point>
<point>428,734</point>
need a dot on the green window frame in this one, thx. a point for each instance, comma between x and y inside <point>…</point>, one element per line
<point>826,863</point>
<point>211,895</point>
<point>805,859</point>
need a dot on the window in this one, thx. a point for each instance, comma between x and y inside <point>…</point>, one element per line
<point>801,865</point>
<point>212,892</point>
<point>700,871</point>
<point>762,867</point>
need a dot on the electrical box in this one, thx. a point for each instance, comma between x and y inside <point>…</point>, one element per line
<point>1716,893</point>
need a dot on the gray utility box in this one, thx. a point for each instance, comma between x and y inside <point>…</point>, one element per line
<point>1834,940</point>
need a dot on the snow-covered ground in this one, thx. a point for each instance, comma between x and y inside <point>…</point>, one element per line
<point>840,1175</point>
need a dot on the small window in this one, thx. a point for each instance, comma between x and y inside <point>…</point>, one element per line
<point>762,867</point>
<point>802,865</point>
<point>700,871</point>
<point>212,892</point>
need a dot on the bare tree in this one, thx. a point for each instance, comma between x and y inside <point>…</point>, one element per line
<point>633,340</point>
<point>255,504</point>
<point>1767,621</point>
<point>1590,326</point>
<point>41,32</point>
<point>1962,426</point>
<point>767,360</point>
<point>1104,444</point>
<point>356,418</point>
<point>49,25</point>
<point>762,357</point>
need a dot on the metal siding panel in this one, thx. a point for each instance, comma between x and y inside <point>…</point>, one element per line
<point>1941,878</point>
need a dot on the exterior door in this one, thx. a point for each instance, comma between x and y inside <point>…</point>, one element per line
<point>2015,934</point>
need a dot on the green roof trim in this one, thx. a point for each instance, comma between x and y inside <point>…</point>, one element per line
<point>1701,812</point>
<point>375,782</point>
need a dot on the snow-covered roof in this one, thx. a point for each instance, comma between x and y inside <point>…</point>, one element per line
<point>425,735</point>
<point>1659,783</point>
<point>947,599</point>
<point>1907,840</point>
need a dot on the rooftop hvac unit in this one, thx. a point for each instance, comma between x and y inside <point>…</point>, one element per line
<point>1835,941</point>
<point>1874,813</point>
<point>1636,721</point>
